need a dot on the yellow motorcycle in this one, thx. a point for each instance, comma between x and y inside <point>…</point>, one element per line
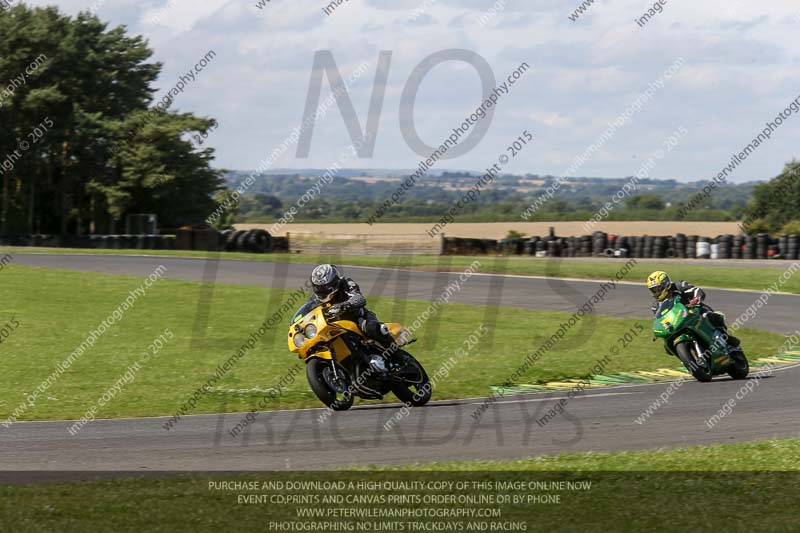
<point>342,363</point>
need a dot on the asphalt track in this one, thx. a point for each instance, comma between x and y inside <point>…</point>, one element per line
<point>600,419</point>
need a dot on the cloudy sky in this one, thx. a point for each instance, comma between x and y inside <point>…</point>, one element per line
<point>740,71</point>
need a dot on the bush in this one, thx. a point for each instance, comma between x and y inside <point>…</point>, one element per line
<point>758,225</point>
<point>792,227</point>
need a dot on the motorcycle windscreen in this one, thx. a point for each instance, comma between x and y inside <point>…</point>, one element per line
<point>664,319</point>
<point>665,307</point>
<point>303,311</point>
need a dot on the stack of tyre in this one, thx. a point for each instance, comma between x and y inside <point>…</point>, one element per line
<point>793,247</point>
<point>540,248</point>
<point>703,248</point>
<point>762,244</point>
<point>131,242</point>
<point>530,246</point>
<point>723,247</point>
<point>573,247</point>
<point>647,246</point>
<point>257,241</point>
<point>737,246</point>
<point>512,246</point>
<point>681,246</point>
<point>599,240</point>
<point>584,245</point>
<point>459,246</point>
<point>623,247</point>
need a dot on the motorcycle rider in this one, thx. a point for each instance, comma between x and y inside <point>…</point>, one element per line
<point>662,287</point>
<point>329,286</point>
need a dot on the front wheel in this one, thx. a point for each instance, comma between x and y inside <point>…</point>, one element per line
<point>414,377</point>
<point>694,362</point>
<point>332,389</point>
<point>740,367</point>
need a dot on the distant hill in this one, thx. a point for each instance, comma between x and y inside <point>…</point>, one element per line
<point>355,193</point>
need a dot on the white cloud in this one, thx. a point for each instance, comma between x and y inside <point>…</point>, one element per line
<point>180,15</point>
<point>740,56</point>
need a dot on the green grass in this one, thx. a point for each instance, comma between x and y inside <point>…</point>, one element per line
<point>56,309</point>
<point>732,277</point>
<point>772,455</point>
<point>736,487</point>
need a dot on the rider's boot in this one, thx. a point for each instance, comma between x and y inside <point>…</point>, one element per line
<point>391,349</point>
<point>730,340</point>
<point>719,321</point>
<point>389,357</point>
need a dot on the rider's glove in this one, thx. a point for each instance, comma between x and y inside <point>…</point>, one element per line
<point>694,301</point>
<point>333,311</point>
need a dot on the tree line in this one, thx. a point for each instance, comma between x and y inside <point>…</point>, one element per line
<point>767,207</point>
<point>775,205</point>
<point>82,145</point>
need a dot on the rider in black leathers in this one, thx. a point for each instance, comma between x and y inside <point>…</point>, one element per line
<point>330,286</point>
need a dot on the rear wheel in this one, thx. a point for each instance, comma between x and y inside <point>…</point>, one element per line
<point>332,390</point>
<point>740,367</point>
<point>694,362</point>
<point>416,390</point>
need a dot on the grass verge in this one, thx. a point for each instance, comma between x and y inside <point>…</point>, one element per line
<point>778,455</point>
<point>738,487</point>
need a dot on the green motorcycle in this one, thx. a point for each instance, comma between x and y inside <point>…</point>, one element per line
<point>700,345</point>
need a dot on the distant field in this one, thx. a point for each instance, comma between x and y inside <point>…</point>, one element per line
<point>498,230</point>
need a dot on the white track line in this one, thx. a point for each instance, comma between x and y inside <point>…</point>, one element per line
<point>556,398</point>
<point>576,280</point>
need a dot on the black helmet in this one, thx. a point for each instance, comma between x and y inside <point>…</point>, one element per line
<point>325,280</point>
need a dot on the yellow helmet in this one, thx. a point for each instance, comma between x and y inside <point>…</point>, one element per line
<point>659,282</point>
